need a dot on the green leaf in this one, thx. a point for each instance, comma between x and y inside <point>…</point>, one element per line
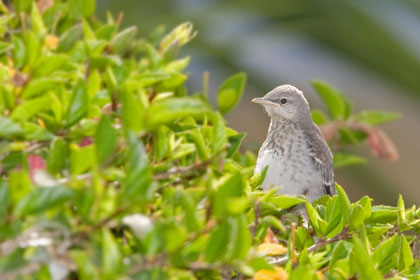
<point>341,160</point>
<point>337,104</point>
<point>231,186</point>
<point>169,110</point>
<point>317,222</point>
<point>230,92</point>
<point>9,129</point>
<point>180,35</point>
<point>318,117</point>
<point>376,117</point>
<point>122,41</point>
<point>78,104</point>
<point>43,198</point>
<point>401,211</point>
<point>285,201</point>
<point>235,142</point>
<point>219,140</point>
<point>111,256</point>
<point>82,159</point>
<point>5,201</point>
<point>138,179</point>
<point>40,85</point>
<point>132,111</point>
<point>51,63</point>
<point>334,213</point>
<point>405,256</point>
<point>301,272</point>
<point>196,136</point>
<point>240,236</point>
<point>33,48</point>
<point>258,178</point>
<point>274,222</point>
<point>22,5</point>
<point>161,143</point>
<point>30,108</point>
<point>385,254</point>
<point>36,21</point>
<point>362,263</point>
<point>70,37</point>
<point>217,245</point>
<point>86,270</point>
<point>94,83</point>
<point>19,53</point>
<point>345,203</point>
<point>105,139</point>
<point>361,210</point>
<point>19,184</point>
<point>58,155</point>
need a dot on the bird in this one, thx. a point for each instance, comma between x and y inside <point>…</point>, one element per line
<point>296,155</point>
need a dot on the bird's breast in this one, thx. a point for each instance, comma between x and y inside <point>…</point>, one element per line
<point>289,166</point>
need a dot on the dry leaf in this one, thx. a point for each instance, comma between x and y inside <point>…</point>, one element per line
<point>270,237</point>
<point>381,145</point>
<point>44,5</point>
<point>278,274</point>
<point>271,249</point>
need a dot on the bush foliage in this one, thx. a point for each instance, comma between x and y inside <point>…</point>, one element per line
<point>111,170</point>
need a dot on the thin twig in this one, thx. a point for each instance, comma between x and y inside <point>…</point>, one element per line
<point>180,170</point>
<point>343,235</point>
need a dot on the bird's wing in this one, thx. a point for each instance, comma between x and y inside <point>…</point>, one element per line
<point>321,158</point>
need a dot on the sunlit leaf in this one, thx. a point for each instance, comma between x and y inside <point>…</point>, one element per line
<point>230,92</point>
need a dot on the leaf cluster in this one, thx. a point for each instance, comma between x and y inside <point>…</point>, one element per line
<point>111,169</point>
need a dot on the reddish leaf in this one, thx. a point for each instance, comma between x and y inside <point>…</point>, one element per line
<point>35,163</point>
<point>86,141</point>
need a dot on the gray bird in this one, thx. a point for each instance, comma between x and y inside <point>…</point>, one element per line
<point>298,158</point>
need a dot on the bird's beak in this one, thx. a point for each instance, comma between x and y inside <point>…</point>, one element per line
<point>262,101</point>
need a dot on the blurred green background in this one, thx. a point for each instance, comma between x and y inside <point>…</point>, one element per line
<point>370,49</point>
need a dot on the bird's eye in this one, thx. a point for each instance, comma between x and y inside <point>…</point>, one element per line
<point>283,101</point>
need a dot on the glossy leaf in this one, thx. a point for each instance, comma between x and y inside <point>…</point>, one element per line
<point>78,104</point>
<point>230,92</point>
<point>376,117</point>
<point>105,139</point>
<point>337,104</point>
<point>41,199</point>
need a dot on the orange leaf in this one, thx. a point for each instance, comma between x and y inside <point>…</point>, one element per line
<point>270,237</point>
<point>278,274</point>
<point>271,249</point>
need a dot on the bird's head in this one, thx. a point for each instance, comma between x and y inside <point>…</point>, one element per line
<point>285,102</point>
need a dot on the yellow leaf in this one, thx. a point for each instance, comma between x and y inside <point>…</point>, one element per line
<point>271,249</point>
<point>278,274</point>
<point>51,41</point>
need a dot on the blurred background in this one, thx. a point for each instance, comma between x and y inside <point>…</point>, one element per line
<point>370,49</point>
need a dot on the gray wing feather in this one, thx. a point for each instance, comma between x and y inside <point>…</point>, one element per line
<point>321,157</point>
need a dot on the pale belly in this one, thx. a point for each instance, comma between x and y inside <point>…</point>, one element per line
<point>294,176</point>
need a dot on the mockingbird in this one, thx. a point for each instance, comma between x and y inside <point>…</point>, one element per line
<point>298,158</point>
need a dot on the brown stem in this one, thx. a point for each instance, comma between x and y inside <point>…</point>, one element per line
<point>180,170</point>
<point>343,235</point>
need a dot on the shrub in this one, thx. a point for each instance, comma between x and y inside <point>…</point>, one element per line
<point>110,169</point>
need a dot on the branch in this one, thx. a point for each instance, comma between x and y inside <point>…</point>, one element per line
<point>180,170</point>
<point>343,235</point>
